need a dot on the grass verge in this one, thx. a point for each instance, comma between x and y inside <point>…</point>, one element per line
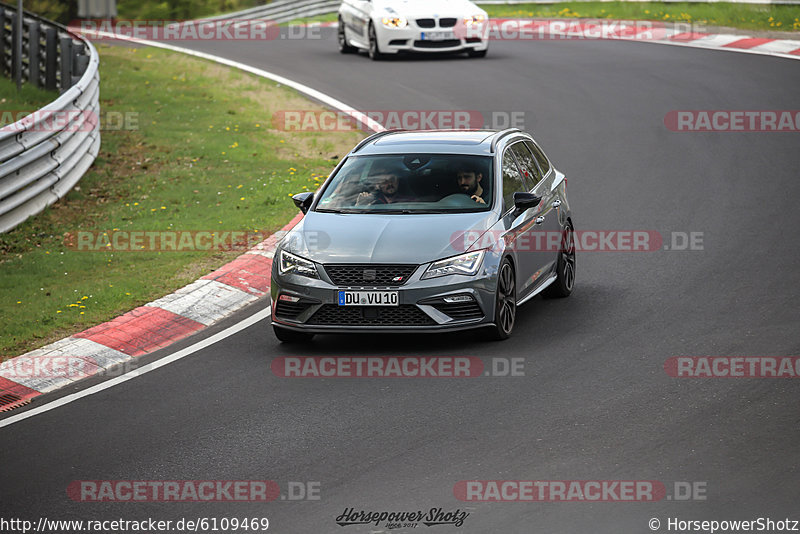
<point>745,16</point>
<point>198,153</point>
<point>762,17</point>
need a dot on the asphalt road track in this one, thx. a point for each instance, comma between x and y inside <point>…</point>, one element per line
<point>595,402</point>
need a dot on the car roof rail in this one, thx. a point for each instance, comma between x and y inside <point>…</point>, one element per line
<point>501,134</point>
<point>373,137</point>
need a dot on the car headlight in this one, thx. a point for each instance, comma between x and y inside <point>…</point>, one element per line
<point>395,22</point>
<point>291,264</point>
<point>466,264</point>
<point>474,19</point>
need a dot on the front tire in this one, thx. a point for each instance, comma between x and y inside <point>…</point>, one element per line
<point>374,50</point>
<point>505,306</point>
<point>565,266</point>
<point>341,38</point>
<point>291,336</point>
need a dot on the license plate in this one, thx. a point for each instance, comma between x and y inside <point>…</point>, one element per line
<point>437,36</point>
<point>367,298</point>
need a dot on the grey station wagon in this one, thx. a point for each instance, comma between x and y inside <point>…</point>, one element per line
<point>426,231</point>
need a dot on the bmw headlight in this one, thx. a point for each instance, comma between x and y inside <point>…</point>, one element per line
<point>291,264</point>
<point>395,22</point>
<point>474,19</point>
<point>467,264</point>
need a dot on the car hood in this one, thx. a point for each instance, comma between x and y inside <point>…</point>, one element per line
<point>374,238</point>
<point>428,8</point>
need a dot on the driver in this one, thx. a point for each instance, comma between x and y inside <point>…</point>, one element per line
<point>387,183</point>
<point>468,180</point>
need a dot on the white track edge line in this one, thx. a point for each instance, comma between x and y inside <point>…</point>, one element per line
<point>166,360</point>
<point>373,125</point>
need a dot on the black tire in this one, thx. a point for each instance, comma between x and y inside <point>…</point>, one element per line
<point>374,51</point>
<point>341,38</point>
<point>505,307</point>
<point>477,53</point>
<point>291,336</point>
<point>565,267</point>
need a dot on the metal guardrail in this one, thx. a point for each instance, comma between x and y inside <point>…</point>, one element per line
<point>43,155</point>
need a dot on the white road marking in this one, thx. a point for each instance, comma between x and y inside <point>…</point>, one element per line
<point>219,336</point>
<point>309,91</point>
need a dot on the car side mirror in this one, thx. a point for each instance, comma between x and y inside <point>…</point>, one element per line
<point>525,201</point>
<point>303,201</point>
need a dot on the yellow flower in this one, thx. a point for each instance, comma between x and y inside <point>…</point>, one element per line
<point>241,198</point>
<point>163,207</point>
<point>135,203</point>
<point>19,302</point>
<point>58,311</point>
<point>84,297</point>
<point>81,313</point>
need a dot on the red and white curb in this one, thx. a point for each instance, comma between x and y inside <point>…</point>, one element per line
<point>143,330</point>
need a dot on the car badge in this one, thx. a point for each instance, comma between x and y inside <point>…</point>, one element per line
<point>397,279</point>
<point>370,275</point>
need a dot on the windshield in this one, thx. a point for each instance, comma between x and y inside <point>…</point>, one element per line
<point>416,183</point>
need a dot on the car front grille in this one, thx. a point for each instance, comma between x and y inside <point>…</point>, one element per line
<point>426,23</point>
<point>448,43</point>
<point>369,274</point>
<point>460,311</point>
<point>405,315</point>
<point>447,23</point>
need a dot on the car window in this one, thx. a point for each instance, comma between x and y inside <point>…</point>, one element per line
<point>512,180</point>
<point>540,157</point>
<point>409,183</point>
<point>530,171</point>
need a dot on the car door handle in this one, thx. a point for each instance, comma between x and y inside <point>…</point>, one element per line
<point>539,219</point>
<point>556,203</point>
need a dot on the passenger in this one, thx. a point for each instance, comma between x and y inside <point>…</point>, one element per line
<point>468,180</point>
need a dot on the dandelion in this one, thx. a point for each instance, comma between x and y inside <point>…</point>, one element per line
<point>58,311</point>
<point>241,198</point>
<point>135,203</point>
<point>163,207</point>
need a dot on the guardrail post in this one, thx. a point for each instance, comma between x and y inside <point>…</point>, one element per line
<point>50,59</point>
<point>20,17</point>
<point>66,63</point>
<point>79,63</point>
<point>34,70</point>
<point>16,49</point>
<point>2,41</point>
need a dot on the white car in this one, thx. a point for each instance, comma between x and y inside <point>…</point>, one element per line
<point>384,27</point>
